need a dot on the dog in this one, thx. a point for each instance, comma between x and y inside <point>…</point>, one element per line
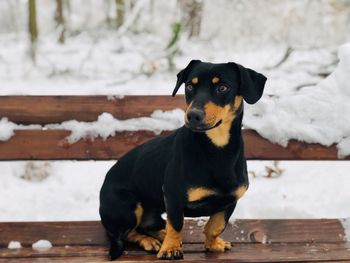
<point>198,170</point>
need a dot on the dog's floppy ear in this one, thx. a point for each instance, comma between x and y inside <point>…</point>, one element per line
<point>181,76</point>
<point>252,83</point>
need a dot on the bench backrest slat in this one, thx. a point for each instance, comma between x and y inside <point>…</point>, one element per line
<point>56,109</point>
<point>52,145</point>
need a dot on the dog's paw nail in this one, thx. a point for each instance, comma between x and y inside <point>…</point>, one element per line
<point>178,255</point>
<point>171,254</point>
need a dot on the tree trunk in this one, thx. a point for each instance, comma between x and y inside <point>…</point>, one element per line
<point>107,6</point>
<point>33,29</point>
<point>120,8</point>
<point>60,21</point>
<point>191,16</point>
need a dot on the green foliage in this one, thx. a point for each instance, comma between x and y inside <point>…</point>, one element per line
<point>172,48</point>
<point>33,29</point>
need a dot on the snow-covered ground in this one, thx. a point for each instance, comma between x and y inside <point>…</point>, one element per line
<point>306,97</point>
<point>69,190</point>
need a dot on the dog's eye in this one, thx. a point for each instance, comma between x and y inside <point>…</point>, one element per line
<point>222,89</point>
<point>189,88</point>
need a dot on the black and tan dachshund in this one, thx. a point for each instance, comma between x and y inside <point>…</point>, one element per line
<point>198,170</point>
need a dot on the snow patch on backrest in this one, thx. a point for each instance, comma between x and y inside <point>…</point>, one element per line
<point>6,129</point>
<point>316,114</point>
<point>106,125</point>
<point>346,225</point>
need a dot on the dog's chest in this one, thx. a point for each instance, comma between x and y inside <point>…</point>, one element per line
<point>203,201</point>
<point>195,194</point>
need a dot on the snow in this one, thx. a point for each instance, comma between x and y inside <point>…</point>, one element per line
<point>6,129</point>
<point>106,125</point>
<point>42,244</point>
<point>71,191</point>
<point>318,114</point>
<point>304,190</point>
<point>346,225</point>
<point>298,101</point>
<point>306,99</point>
<point>14,245</point>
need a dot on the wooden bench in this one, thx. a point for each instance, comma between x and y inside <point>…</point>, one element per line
<point>311,240</point>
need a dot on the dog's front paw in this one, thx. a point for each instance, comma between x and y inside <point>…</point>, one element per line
<point>171,252</point>
<point>217,245</point>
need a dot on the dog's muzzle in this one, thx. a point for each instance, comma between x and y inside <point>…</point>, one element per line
<point>195,120</point>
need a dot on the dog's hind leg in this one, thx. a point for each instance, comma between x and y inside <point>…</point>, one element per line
<point>148,243</point>
<point>120,214</point>
<point>144,237</point>
<point>116,246</point>
<point>152,224</point>
<point>160,234</point>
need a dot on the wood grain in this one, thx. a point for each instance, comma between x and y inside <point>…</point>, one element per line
<point>193,253</point>
<point>242,231</point>
<point>56,109</point>
<point>52,145</point>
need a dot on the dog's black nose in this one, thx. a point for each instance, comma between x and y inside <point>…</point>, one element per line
<point>195,117</point>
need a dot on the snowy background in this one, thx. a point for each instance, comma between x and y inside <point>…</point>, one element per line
<point>299,45</point>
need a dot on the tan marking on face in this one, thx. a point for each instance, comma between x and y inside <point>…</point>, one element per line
<point>172,243</point>
<point>214,227</point>
<point>195,80</point>
<point>220,135</point>
<point>195,194</point>
<point>240,191</point>
<point>213,114</point>
<point>215,80</point>
<point>238,101</point>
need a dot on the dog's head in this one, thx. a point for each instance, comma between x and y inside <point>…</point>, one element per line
<point>214,92</point>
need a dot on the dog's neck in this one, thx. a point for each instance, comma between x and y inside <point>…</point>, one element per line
<point>226,132</point>
<point>225,138</point>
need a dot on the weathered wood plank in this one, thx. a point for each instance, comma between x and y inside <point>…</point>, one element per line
<point>56,109</point>
<point>52,145</point>
<point>241,231</point>
<point>195,253</point>
<point>259,148</point>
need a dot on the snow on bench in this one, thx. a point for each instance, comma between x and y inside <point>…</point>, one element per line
<point>254,240</point>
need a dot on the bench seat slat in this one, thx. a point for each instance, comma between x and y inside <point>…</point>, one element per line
<point>52,145</point>
<point>241,231</point>
<point>195,253</point>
